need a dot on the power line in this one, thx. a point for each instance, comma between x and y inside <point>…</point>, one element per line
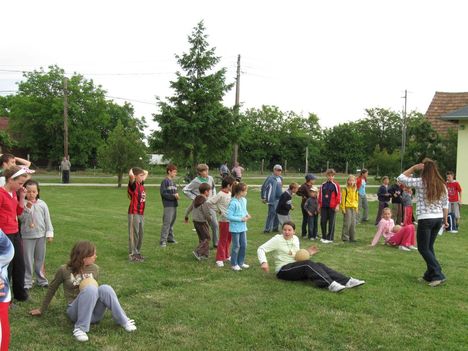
<point>132,100</point>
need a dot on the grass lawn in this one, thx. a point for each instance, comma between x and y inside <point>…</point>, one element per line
<point>179,303</point>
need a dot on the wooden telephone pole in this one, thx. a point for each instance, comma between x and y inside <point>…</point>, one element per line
<point>235,151</point>
<point>65,117</point>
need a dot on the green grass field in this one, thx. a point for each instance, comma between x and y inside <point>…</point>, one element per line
<point>179,303</point>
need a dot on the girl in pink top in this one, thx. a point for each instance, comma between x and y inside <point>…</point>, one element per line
<point>403,237</point>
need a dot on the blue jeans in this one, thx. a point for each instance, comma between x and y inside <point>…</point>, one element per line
<point>239,245</point>
<point>272,222</point>
<point>312,223</point>
<point>426,235</point>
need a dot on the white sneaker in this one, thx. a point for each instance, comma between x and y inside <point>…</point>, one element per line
<point>336,287</point>
<point>236,268</point>
<point>80,335</point>
<point>245,266</point>
<point>453,231</point>
<point>403,248</point>
<point>412,247</point>
<point>326,241</point>
<point>352,283</point>
<point>220,263</point>
<point>130,325</point>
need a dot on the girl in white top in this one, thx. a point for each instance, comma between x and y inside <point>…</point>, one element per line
<point>285,247</point>
<point>431,210</point>
<point>36,228</point>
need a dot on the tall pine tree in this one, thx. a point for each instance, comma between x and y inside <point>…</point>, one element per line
<point>194,124</point>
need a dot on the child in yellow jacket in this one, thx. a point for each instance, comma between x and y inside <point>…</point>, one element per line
<point>349,207</point>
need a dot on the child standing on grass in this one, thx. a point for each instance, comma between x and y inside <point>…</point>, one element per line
<point>384,198</point>
<point>136,210</point>
<point>363,209</point>
<point>36,228</point>
<point>349,207</point>
<point>407,202</point>
<point>396,190</point>
<point>311,208</point>
<point>403,237</point>
<point>12,206</point>
<point>86,303</point>
<point>304,193</point>
<point>238,216</point>
<point>170,202</point>
<point>201,216</point>
<point>191,190</point>
<point>220,202</point>
<point>454,194</point>
<point>329,203</point>
<point>285,204</point>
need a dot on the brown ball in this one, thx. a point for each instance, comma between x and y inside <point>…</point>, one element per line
<point>88,281</point>
<point>302,255</point>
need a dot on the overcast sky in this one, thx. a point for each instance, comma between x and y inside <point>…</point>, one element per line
<point>332,58</point>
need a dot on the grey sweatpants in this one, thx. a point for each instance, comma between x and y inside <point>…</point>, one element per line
<point>90,305</point>
<point>349,225</point>
<point>167,230</point>
<point>34,257</point>
<point>136,226</point>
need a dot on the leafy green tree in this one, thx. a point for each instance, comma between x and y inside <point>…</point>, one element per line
<point>36,116</point>
<point>194,124</point>
<point>384,163</point>
<point>381,128</point>
<point>123,149</point>
<point>344,143</point>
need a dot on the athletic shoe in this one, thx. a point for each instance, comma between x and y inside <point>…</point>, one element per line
<point>236,268</point>
<point>172,242</point>
<point>412,247</point>
<point>336,287</point>
<point>220,263</point>
<point>130,325</point>
<point>245,266</point>
<point>325,241</point>
<point>80,335</point>
<point>435,283</point>
<point>352,283</point>
<point>313,239</point>
<point>162,245</point>
<point>197,256</point>
<point>403,248</point>
<point>453,231</point>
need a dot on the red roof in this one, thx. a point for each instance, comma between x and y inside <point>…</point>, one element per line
<point>441,104</point>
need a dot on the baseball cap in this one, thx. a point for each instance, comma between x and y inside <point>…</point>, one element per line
<point>310,176</point>
<point>314,188</point>
<point>278,167</point>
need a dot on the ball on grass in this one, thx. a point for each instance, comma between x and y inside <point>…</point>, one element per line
<point>302,255</point>
<point>87,282</point>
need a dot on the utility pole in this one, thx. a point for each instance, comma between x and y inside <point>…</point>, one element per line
<point>403,132</point>
<point>65,117</point>
<point>236,110</point>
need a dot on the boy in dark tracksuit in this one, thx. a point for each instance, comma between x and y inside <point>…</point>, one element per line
<point>303,192</point>
<point>170,202</point>
<point>285,204</point>
<point>329,203</point>
<point>384,198</point>
<point>311,208</point>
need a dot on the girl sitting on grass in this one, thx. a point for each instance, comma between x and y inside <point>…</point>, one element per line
<point>86,301</point>
<point>285,247</point>
<point>395,235</point>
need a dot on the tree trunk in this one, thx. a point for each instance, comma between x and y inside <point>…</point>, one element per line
<point>119,179</point>
<point>49,165</point>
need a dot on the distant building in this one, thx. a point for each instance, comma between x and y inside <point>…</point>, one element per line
<point>441,104</point>
<point>450,111</point>
<point>157,159</point>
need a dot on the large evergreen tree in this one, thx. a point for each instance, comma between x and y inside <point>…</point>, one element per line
<point>194,124</point>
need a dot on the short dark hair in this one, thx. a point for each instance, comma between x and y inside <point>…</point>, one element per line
<point>204,187</point>
<point>450,173</point>
<point>238,187</point>
<point>170,167</point>
<point>228,180</point>
<point>5,158</point>
<point>137,170</point>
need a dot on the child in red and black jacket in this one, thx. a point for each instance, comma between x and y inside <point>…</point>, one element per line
<point>329,203</point>
<point>136,210</point>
